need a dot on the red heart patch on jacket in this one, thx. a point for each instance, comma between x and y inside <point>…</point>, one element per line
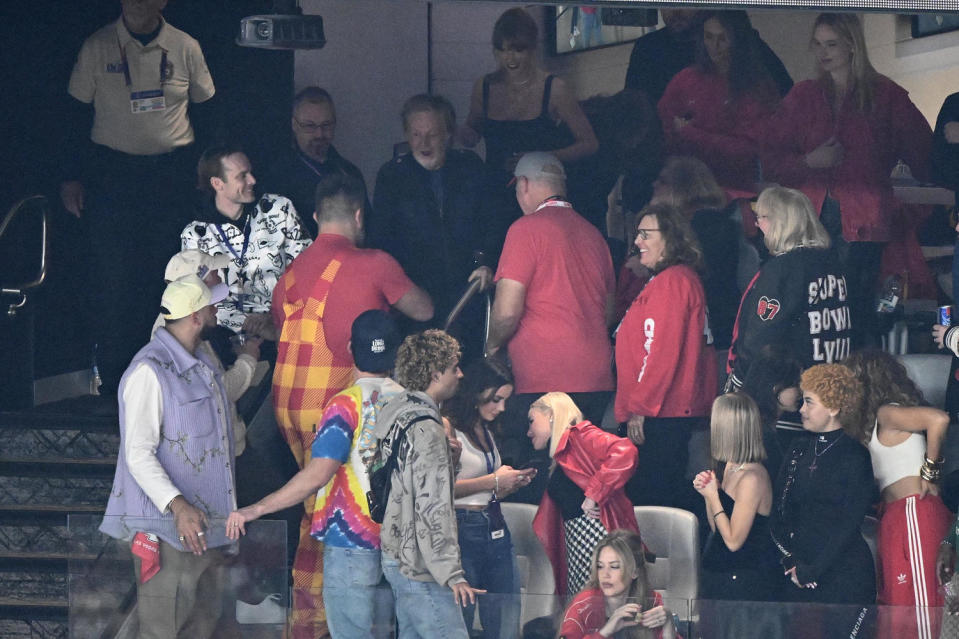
<point>767,308</point>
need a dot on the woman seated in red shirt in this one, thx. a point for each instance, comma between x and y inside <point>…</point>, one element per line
<point>717,109</point>
<point>617,601</point>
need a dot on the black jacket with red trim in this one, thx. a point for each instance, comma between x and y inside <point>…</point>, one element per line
<point>799,302</point>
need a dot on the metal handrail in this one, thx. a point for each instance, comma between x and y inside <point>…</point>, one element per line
<point>20,291</point>
<point>474,287</point>
<point>468,294</point>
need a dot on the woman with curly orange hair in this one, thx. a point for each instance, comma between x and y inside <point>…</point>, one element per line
<point>905,443</point>
<point>823,493</point>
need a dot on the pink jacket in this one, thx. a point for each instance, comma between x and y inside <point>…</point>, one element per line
<point>722,132</point>
<point>872,143</point>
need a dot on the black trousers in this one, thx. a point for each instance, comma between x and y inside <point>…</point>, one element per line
<point>660,478</point>
<point>136,207</point>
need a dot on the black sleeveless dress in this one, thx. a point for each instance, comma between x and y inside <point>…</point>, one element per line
<point>506,138</point>
<point>745,575</point>
<point>732,579</point>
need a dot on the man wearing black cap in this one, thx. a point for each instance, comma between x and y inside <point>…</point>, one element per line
<point>359,603</point>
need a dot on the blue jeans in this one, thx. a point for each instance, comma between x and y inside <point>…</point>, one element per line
<point>424,609</point>
<point>358,601</point>
<point>489,565</point>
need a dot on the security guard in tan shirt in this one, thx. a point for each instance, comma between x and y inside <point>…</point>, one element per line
<point>134,183</point>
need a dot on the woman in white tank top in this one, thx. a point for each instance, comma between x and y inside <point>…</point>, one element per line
<point>905,442</point>
<point>486,549</point>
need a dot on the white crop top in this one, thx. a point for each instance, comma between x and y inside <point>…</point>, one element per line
<point>473,465</point>
<point>892,463</point>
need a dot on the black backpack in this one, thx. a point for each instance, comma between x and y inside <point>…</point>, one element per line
<point>381,475</point>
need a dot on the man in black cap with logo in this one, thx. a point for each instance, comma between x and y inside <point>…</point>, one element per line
<point>339,458</point>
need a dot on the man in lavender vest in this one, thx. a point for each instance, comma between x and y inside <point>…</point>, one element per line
<point>174,483</point>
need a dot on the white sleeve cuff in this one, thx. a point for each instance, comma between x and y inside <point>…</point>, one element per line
<point>143,413</point>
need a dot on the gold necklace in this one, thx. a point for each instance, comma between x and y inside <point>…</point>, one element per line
<point>521,83</point>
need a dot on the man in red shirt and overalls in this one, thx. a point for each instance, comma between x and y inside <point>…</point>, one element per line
<point>314,305</point>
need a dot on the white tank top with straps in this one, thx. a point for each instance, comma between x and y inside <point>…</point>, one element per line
<point>892,463</point>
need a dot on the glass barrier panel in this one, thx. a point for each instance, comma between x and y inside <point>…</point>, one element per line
<point>245,590</point>
<point>531,616</point>
<point>740,619</point>
<point>242,588</point>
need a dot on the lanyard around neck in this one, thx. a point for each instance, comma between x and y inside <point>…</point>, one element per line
<point>126,65</point>
<point>229,245</point>
<point>554,200</point>
<point>310,165</point>
<point>489,455</point>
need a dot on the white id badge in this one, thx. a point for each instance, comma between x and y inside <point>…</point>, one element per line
<point>146,101</point>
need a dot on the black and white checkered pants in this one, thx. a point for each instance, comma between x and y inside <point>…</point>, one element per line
<point>582,535</point>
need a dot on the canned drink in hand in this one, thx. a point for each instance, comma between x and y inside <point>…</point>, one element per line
<point>945,315</point>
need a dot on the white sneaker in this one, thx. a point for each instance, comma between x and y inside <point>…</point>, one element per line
<point>572,41</point>
<point>267,611</point>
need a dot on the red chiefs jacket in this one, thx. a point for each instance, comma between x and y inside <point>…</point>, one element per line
<point>872,143</point>
<point>665,362</point>
<point>600,464</point>
<point>798,300</point>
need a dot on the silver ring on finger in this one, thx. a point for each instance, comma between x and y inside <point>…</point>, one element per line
<point>182,538</point>
<point>201,534</point>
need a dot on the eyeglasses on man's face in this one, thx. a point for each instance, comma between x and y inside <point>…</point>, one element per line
<point>313,127</point>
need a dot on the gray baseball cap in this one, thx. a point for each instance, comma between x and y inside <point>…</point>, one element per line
<point>539,165</point>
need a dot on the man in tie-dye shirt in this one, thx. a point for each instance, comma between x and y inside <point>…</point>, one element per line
<point>358,601</point>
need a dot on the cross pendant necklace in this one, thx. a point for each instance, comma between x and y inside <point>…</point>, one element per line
<point>813,466</point>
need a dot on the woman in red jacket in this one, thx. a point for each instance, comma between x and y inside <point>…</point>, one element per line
<point>716,110</point>
<point>837,139</point>
<point>665,363</point>
<point>584,496</point>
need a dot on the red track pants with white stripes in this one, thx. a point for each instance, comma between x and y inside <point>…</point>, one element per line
<point>910,531</point>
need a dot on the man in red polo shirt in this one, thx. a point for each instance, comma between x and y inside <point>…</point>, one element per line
<point>554,301</point>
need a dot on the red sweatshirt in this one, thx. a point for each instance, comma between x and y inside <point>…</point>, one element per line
<point>722,132</point>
